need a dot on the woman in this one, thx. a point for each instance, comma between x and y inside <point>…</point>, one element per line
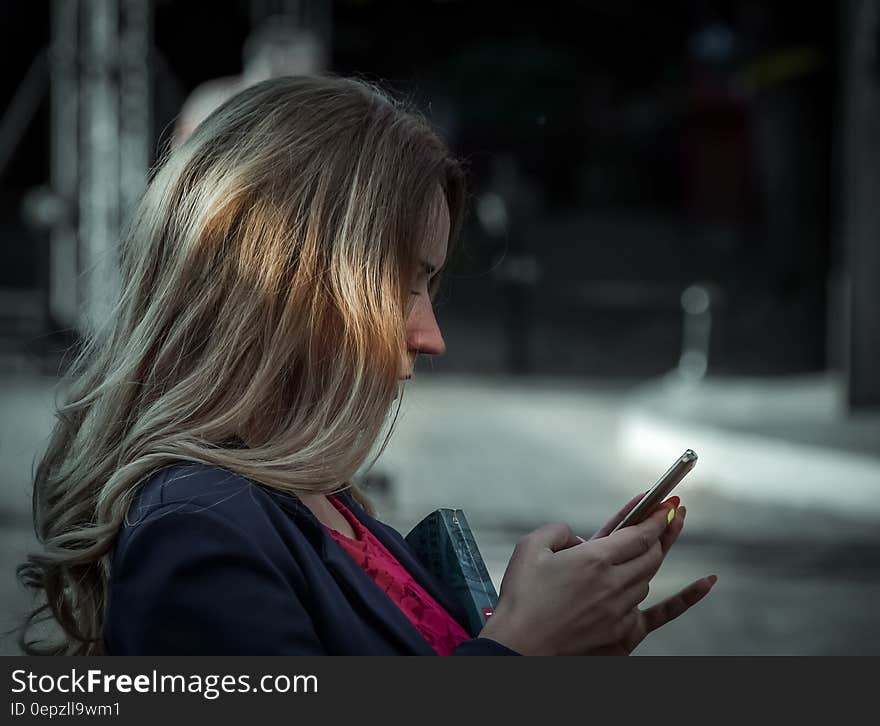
<point>196,495</point>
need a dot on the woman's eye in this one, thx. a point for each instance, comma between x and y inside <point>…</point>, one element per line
<point>413,292</point>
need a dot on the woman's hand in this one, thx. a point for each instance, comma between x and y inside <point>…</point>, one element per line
<point>559,597</point>
<point>648,620</point>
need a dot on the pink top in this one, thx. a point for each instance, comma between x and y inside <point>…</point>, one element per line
<point>439,628</point>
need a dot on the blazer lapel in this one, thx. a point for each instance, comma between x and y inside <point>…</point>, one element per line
<point>361,589</point>
<point>398,547</point>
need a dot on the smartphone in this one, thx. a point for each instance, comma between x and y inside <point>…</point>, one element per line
<point>660,490</point>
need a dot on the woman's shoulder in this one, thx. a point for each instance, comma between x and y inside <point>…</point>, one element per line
<point>205,559</point>
<point>200,496</point>
<point>195,485</point>
<point>186,484</point>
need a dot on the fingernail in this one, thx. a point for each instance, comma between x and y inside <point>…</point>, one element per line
<point>713,579</point>
<point>683,511</point>
<point>670,516</point>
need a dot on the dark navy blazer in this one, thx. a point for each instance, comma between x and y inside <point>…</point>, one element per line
<point>209,562</point>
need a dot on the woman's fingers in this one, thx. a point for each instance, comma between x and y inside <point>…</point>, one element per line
<point>632,596</point>
<point>618,518</point>
<point>631,542</point>
<point>669,609</point>
<point>646,566</point>
<point>639,569</point>
<point>670,535</point>
<point>609,526</point>
<point>553,536</point>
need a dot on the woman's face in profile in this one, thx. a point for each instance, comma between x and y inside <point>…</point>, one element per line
<point>422,332</point>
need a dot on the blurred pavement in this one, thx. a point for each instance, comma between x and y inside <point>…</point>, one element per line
<point>797,556</point>
<point>798,573</point>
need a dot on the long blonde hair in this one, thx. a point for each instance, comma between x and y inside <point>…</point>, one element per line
<point>265,289</point>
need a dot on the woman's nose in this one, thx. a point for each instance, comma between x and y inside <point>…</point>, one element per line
<point>424,335</point>
<point>429,342</point>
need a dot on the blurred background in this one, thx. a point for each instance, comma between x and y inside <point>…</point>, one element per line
<point>674,242</point>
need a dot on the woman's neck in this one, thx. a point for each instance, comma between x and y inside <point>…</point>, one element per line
<point>327,514</point>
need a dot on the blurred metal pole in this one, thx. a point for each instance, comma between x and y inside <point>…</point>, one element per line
<point>64,172</point>
<point>99,192</point>
<point>860,146</point>
<point>135,101</point>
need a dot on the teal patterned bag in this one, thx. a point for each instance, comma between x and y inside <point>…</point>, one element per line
<point>445,546</point>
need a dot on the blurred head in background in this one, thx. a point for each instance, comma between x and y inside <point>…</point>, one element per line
<point>277,285</point>
<point>277,47</point>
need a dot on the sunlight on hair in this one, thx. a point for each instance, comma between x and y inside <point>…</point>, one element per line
<point>260,325</point>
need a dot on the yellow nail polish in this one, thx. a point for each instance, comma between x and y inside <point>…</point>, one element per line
<point>670,516</point>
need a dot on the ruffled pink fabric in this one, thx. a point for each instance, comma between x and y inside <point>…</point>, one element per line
<point>439,628</point>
